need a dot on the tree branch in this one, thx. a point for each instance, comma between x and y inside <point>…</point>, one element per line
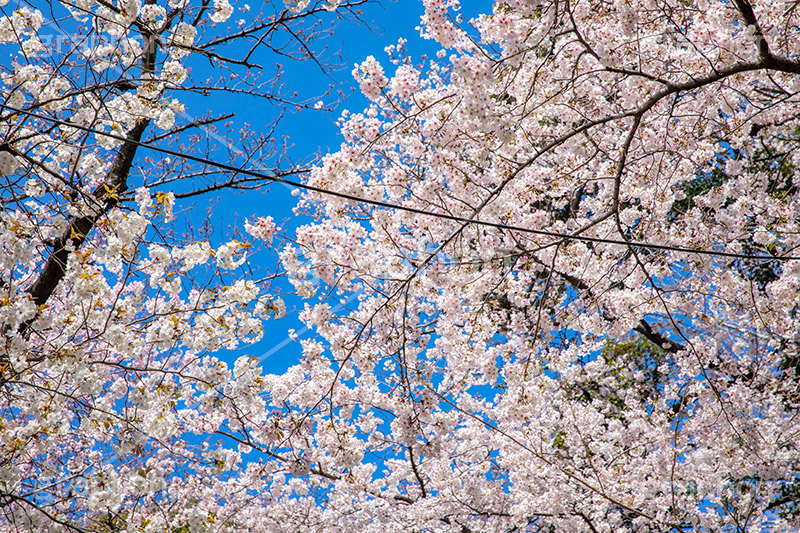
<point>107,196</point>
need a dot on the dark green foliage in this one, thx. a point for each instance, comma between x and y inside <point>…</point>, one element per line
<point>634,367</point>
<point>779,172</point>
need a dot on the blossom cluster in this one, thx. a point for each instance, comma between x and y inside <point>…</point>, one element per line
<point>494,377</point>
<point>111,377</point>
<point>560,325</point>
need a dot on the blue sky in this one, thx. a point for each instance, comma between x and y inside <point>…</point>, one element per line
<point>310,132</point>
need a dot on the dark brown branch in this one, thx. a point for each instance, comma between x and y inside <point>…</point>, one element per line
<point>657,338</point>
<point>416,472</point>
<point>587,520</point>
<point>643,327</point>
<point>199,123</point>
<point>464,529</point>
<point>106,197</point>
<point>749,16</point>
<point>790,498</point>
<point>248,183</point>
<point>10,499</point>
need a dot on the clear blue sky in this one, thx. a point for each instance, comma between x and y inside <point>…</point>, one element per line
<point>311,132</point>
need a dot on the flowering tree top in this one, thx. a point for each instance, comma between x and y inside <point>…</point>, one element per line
<point>568,301</point>
<point>585,315</point>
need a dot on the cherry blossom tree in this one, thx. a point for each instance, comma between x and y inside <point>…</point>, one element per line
<point>569,300</point>
<point>553,277</point>
<point>110,391</point>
